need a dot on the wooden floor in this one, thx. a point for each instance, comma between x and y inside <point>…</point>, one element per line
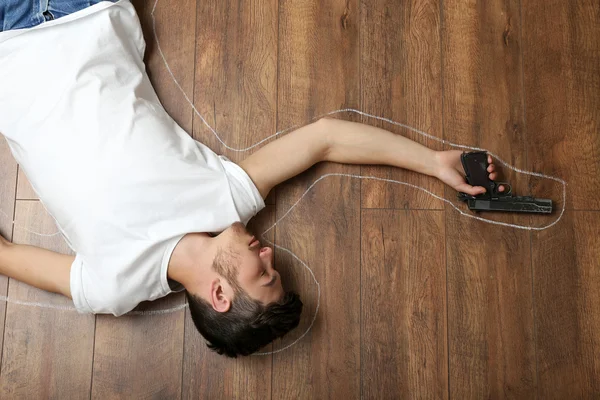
<point>416,300</point>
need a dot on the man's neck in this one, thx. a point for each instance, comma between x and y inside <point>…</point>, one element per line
<point>191,259</point>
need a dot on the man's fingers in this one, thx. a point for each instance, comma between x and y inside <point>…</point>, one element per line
<point>472,190</point>
<point>475,190</point>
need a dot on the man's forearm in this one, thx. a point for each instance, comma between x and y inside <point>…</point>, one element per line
<point>37,267</point>
<point>355,143</point>
<point>337,141</point>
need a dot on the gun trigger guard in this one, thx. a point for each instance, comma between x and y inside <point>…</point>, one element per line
<point>507,187</point>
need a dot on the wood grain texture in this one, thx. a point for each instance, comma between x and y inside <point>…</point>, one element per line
<point>24,189</point>
<point>139,356</point>
<point>401,79</point>
<point>207,375</point>
<point>8,178</point>
<point>483,95</point>
<point>324,232</point>
<point>561,51</point>
<point>490,320</point>
<point>318,72</point>
<point>567,307</point>
<point>236,74</point>
<point>403,286</point>
<point>175,28</point>
<point>47,353</point>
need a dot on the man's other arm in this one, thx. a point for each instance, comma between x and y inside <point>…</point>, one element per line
<point>37,267</point>
<point>351,143</point>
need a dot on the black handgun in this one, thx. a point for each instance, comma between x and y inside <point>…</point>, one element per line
<point>475,164</point>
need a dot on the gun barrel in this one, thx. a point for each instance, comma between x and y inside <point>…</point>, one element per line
<point>511,204</point>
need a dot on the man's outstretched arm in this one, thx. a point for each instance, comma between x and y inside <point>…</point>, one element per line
<point>37,267</point>
<point>350,143</point>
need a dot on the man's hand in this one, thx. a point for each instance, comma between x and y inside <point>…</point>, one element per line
<point>451,172</point>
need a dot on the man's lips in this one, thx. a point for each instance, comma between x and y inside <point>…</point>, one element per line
<point>253,242</point>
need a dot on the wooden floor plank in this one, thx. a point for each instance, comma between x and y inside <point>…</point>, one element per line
<point>47,352</point>
<point>483,104</point>
<point>123,345</point>
<point>401,80</point>
<point>490,321</point>
<point>8,179</point>
<point>140,356</point>
<point>318,72</point>
<point>236,75</point>
<point>208,375</point>
<point>567,299</point>
<point>561,50</point>
<point>24,189</point>
<point>403,286</point>
<point>324,232</point>
<point>175,27</point>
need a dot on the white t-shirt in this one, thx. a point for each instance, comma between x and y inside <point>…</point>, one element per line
<point>123,181</point>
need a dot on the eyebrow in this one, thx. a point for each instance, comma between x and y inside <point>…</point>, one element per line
<point>271,282</point>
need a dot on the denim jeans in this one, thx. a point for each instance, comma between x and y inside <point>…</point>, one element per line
<point>19,14</point>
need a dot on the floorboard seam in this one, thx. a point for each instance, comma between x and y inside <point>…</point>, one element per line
<point>93,356</point>
<point>400,209</point>
<point>440,30</point>
<point>276,196</point>
<point>12,235</point>
<point>183,352</point>
<point>525,131</point>
<point>181,394</point>
<point>360,171</point>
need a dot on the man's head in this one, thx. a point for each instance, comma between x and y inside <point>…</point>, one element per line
<point>241,305</point>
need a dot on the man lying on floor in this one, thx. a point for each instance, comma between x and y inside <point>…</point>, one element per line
<point>137,199</point>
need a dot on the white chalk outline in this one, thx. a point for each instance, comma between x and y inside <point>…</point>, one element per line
<point>278,133</point>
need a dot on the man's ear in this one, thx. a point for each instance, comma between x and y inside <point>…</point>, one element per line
<point>219,298</point>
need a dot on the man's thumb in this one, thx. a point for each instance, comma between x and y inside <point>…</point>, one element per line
<point>472,190</point>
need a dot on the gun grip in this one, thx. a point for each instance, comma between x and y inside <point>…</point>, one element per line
<point>475,165</point>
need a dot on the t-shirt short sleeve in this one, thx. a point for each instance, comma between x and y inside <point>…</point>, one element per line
<point>77,294</point>
<point>111,289</point>
<point>248,200</point>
